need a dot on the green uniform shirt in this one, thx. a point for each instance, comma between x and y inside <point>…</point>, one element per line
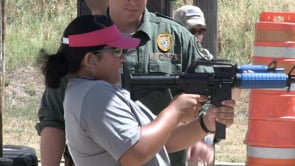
<point>51,112</point>
<point>166,48</point>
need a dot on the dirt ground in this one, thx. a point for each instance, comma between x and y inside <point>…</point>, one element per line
<point>23,85</point>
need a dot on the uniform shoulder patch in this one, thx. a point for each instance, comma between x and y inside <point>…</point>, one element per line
<point>202,52</point>
<point>164,42</point>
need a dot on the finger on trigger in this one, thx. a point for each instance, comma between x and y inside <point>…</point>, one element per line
<point>202,98</point>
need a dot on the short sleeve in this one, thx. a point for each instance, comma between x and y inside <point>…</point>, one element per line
<point>51,110</point>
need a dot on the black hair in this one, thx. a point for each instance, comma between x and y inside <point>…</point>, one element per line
<point>68,60</point>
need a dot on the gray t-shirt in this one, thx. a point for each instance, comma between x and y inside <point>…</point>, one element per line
<point>102,123</point>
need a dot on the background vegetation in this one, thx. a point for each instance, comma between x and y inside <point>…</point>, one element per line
<point>31,25</point>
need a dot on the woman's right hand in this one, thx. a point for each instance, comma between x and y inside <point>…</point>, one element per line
<point>188,105</point>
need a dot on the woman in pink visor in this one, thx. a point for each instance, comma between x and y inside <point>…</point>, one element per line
<point>103,125</point>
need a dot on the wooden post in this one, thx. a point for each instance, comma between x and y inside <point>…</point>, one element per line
<point>2,74</point>
<point>164,7</point>
<point>210,9</point>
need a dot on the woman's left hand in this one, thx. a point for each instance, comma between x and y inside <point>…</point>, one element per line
<point>223,114</point>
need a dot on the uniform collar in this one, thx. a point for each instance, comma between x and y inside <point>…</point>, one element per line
<point>145,26</point>
<point>145,29</point>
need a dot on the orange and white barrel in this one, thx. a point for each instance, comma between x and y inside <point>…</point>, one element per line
<point>282,52</point>
<point>275,26</point>
<point>265,156</point>
<point>271,120</point>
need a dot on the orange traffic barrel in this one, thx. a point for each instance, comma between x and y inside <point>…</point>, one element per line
<point>271,127</point>
<point>265,156</point>
<point>277,26</point>
<point>271,120</point>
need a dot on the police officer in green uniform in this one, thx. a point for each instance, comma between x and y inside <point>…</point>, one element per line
<point>166,48</point>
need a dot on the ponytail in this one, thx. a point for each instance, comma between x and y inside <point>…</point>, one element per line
<point>53,67</point>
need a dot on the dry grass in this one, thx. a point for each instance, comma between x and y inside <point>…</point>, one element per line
<point>23,92</point>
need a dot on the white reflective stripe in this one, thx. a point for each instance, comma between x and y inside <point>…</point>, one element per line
<point>65,40</point>
<point>271,153</point>
<point>292,87</point>
<point>288,117</point>
<point>279,52</point>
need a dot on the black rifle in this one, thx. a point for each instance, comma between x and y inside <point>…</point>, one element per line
<point>216,85</point>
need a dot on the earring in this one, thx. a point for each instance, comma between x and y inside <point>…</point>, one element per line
<point>90,61</point>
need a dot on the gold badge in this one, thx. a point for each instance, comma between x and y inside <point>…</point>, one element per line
<point>164,41</point>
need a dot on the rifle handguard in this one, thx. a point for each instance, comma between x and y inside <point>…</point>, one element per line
<point>203,126</point>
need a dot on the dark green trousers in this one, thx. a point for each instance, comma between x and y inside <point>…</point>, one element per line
<point>178,158</point>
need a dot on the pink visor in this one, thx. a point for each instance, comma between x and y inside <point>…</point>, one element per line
<point>109,36</point>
